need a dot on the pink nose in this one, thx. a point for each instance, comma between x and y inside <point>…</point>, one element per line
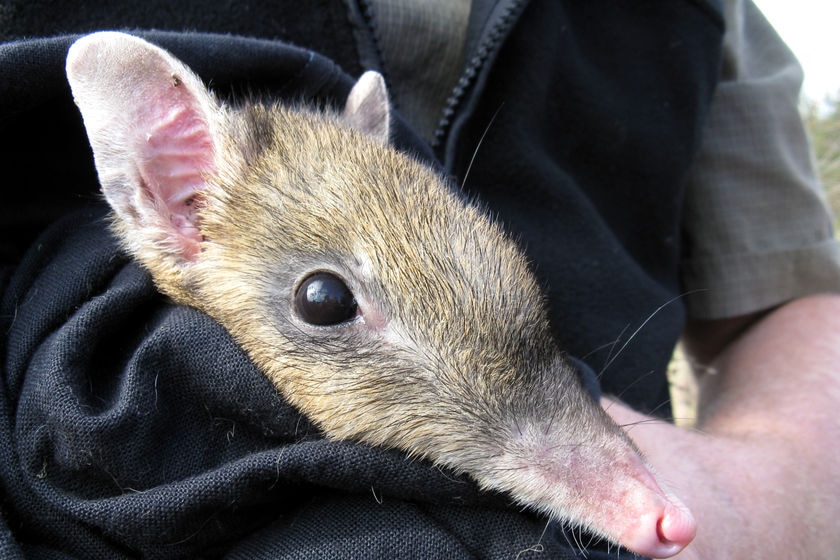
<point>663,530</point>
<point>674,530</point>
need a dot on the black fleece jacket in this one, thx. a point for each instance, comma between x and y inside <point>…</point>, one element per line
<point>130,427</point>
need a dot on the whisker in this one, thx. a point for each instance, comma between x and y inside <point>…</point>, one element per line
<point>478,146</point>
<point>611,358</point>
<point>612,355</point>
<point>635,382</point>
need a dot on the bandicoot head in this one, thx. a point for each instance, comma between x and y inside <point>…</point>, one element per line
<point>377,301</point>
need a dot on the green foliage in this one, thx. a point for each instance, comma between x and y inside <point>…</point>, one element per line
<point>823,123</point>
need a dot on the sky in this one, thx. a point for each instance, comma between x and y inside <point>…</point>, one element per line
<point>811,28</point>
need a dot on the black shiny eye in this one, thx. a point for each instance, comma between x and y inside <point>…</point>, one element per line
<point>324,299</point>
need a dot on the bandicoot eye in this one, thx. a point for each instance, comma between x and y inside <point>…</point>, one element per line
<point>323,299</point>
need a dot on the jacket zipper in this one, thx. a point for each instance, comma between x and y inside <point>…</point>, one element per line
<point>487,46</point>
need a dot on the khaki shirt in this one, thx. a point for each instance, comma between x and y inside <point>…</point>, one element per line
<point>758,231</point>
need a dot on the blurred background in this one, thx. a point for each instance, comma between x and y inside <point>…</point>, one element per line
<point>810,28</point>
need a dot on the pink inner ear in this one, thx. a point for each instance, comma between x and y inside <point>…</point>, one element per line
<point>177,154</point>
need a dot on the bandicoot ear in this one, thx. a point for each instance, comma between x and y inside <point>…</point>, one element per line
<point>367,107</point>
<point>152,126</point>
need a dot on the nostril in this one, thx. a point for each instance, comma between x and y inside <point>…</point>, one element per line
<point>676,526</point>
<point>665,531</point>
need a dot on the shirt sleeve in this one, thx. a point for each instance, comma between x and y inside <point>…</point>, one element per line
<point>758,231</point>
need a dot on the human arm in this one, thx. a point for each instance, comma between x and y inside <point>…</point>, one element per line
<point>760,471</point>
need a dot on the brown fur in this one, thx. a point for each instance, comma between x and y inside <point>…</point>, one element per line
<point>451,358</point>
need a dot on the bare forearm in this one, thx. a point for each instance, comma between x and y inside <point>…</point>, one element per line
<point>782,375</point>
<point>761,471</point>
